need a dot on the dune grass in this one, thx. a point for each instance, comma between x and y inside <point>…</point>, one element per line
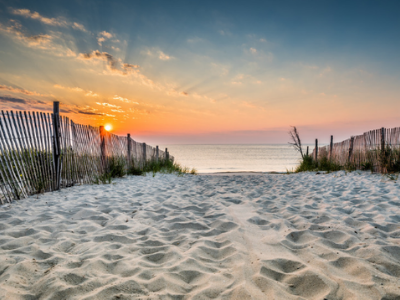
<point>161,166</point>
<point>324,164</point>
<point>117,168</point>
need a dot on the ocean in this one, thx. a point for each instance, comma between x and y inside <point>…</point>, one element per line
<point>235,158</point>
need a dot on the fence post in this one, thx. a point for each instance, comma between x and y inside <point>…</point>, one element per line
<point>128,138</point>
<point>144,154</point>
<point>351,148</point>
<point>103,148</point>
<point>166,154</point>
<point>56,145</point>
<point>331,148</point>
<point>316,151</point>
<point>307,151</point>
<point>156,153</point>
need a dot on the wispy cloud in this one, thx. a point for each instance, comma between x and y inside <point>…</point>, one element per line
<point>102,36</point>
<point>91,94</point>
<point>62,22</point>
<point>163,56</point>
<point>39,41</point>
<point>106,34</point>
<point>118,110</point>
<point>85,110</point>
<point>253,50</point>
<point>113,65</point>
<point>15,28</point>
<point>108,105</point>
<point>76,89</point>
<point>20,91</point>
<point>126,100</point>
<point>19,100</point>
<point>158,53</point>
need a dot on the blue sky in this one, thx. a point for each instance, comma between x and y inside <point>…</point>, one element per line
<point>206,72</point>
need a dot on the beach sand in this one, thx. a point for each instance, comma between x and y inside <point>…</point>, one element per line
<point>236,236</point>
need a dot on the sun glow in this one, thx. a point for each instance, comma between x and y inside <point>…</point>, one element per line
<point>108,127</point>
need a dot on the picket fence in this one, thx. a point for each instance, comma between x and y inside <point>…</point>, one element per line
<point>41,152</point>
<point>368,147</point>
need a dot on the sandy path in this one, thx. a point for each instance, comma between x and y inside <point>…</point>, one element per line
<point>301,236</point>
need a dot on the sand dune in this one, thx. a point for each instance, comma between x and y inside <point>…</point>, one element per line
<point>270,236</point>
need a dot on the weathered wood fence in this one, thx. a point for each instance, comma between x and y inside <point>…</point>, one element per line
<point>42,152</point>
<point>373,147</point>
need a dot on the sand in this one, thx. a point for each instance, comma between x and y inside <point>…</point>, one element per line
<point>253,236</point>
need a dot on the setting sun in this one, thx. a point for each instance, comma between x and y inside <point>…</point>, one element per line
<point>108,127</point>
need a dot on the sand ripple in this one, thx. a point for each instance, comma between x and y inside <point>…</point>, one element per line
<point>302,236</point>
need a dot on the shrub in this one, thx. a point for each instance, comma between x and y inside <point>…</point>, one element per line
<point>307,164</point>
<point>116,167</point>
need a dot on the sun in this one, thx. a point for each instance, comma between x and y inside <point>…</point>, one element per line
<point>108,127</point>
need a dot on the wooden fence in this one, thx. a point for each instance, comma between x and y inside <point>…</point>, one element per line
<point>374,147</point>
<point>42,152</point>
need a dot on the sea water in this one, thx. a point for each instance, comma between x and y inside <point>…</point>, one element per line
<point>235,158</point>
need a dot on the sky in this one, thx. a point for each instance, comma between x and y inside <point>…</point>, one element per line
<point>206,72</point>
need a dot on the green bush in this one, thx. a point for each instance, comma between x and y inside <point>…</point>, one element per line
<point>103,178</point>
<point>324,164</point>
<point>367,166</point>
<point>116,166</point>
<point>307,164</point>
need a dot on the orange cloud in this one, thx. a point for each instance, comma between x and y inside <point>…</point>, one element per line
<point>76,89</point>
<point>116,97</point>
<point>48,21</point>
<point>20,91</point>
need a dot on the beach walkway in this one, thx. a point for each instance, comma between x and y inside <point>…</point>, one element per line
<point>249,236</point>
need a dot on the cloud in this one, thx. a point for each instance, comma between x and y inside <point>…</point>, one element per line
<point>127,66</point>
<point>161,55</point>
<point>106,34</point>
<point>20,100</point>
<point>32,104</point>
<point>78,26</point>
<point>85,112</point>
<point>118,110</point>
<point>102,36</point>
<point>263,40</point>
<point>13,100</point>
<point>112,63</point>
<point>108,105</point>
<point>116,67</point>
<point>48,21</point>
<point>20,91</point>
<point>116,97</point>
<point>164,56</point>
<point>253,50</point>
<point>76,89</point>
<point>40,41</point>
<point>91,94</point>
